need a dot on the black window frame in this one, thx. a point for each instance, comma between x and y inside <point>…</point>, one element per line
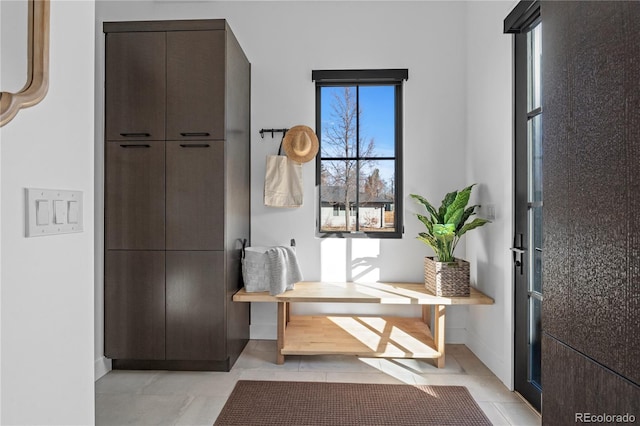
<point>358,78</point>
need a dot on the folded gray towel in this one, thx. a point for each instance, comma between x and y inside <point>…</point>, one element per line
<point>284,269</point>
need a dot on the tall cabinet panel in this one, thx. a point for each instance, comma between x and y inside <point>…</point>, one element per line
<point>136,86</point>
<point>176,194</point>
<point>135,195</point>
<point>195,195</point>
<point>195,85</point>
<point>135,304</point>
<point>195,310</point>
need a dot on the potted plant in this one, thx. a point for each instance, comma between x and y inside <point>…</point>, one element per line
<point>445,275</point>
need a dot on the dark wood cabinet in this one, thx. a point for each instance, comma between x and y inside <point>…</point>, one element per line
<point>135,195</point>
<point>177,200</point>
<point>135,304</point>
<point>195,308</point>
<point>135,85</point>
<point>195,195</point>
<point>195,85</point>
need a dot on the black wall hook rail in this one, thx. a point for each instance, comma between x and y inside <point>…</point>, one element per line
<point>272,131</point>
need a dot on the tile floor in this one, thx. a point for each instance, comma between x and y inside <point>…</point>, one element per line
<point>196,398</point>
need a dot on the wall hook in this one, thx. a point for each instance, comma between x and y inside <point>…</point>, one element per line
<point>273,132</point>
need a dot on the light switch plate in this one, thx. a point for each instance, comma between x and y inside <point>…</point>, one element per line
<point>62,208</point>
<point>489,211</point>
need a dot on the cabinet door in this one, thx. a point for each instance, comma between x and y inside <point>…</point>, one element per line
<point>134,304</point>
<point>195,85</point>
<point>135,195</point>
<point>195,305</point>
<point>135,85</point>
<point>195,195</point>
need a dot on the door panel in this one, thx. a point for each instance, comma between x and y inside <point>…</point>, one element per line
<point>528,210</point>
<point>135,86</point>
<point>195,305</point>
<point>195,85</point>
<point>592,193</point>
<point>581,385</point>
<point>195,195</point>
<point>134,304</point>
<point>135,195</point>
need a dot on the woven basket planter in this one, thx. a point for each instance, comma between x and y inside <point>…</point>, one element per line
<point>448,279</point>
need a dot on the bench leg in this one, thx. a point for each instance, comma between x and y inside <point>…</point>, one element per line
<point>438,333</point>
<point>283,313</point>
<point>426,315</point>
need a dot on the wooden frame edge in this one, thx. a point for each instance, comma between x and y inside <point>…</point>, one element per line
<point>37,83</point>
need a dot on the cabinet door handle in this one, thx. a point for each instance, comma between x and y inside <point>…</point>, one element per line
<point>195,145</point>
<point>135,146</point>
<point>188,134</point>
<point>135,135</point>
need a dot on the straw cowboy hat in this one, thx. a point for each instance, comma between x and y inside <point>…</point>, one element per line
<point>300,144</point>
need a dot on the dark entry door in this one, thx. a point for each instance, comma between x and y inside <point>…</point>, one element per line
<point>527,243</point>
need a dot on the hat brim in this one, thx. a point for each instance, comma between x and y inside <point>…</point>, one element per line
<point>292,153</point>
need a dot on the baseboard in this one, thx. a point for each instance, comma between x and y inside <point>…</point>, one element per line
<point>263,332</point>
<point>172,365</point>
<point>101,366</point>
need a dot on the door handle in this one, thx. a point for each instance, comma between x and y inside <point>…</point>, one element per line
<point>518,251</point>
<point>194,134</point>
<point>135,146</point>
<point>135,135</point>
<point>195,145</point>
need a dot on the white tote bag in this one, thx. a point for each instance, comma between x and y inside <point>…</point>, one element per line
<point>283,182</point>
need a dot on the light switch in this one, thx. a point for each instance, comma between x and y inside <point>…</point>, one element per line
<point>59,212</point>
<point>72,212</point>
<point>42,212</point>
<point>52,211</point>
<point>490,212</point>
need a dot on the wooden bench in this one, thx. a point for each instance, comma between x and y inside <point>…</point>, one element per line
<point>366,335</point>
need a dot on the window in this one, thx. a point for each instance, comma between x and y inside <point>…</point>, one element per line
<point>359,166</point>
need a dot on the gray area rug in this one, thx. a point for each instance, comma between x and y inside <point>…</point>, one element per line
<point>266,403</point>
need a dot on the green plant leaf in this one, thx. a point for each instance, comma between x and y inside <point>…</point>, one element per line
<point>445,254</point>
<point>446,202</point>
<point>455,219</point>
<point>444,232</point>
<point>460,202</point>
<point>470,211</point>
<point>427,222</point>
<point>427,205</point>
<point>475,223</point>
<point>443,250</point>
<point>429,240</point>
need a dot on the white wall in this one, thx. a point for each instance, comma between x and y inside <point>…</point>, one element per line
<point>489,151</point>
<point>47,289</point>
<point>285,41</point>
